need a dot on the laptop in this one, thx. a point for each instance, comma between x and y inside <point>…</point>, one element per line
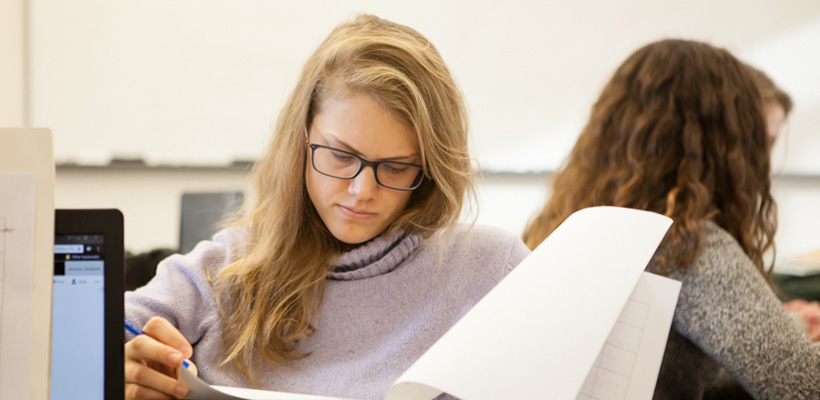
<point>87,334</point>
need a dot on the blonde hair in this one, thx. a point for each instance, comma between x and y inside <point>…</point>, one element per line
<point>678,130</point>
<point>270,295</point>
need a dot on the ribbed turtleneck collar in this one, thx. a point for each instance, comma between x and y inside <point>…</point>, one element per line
<point>379,256</point>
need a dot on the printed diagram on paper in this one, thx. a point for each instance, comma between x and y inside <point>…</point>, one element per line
<point>17,199</point>
<point>627,367</point>
<point>609,378</point>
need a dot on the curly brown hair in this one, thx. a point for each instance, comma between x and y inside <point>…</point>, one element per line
<point>678,130</point>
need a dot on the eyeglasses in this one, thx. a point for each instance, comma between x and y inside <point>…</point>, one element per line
<point>344,165</point>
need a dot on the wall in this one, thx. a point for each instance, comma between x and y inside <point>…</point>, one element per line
<point>577,45</point>
<point>146,79</point>
<point>13,65</point>
<point>150,201</point>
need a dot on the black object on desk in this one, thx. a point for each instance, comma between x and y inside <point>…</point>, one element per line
<point>87,360</point>
<point>201,215</point>
<point>797,287</point>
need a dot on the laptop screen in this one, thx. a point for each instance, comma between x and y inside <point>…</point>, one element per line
<point>77,362</point>
<point>87,333</point>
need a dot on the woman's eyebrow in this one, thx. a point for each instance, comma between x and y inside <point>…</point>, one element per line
<point>342,145</point>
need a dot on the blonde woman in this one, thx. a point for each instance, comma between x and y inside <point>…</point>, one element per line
<point>351,262</point>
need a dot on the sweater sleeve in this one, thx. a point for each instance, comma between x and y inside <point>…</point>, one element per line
<point>181,291</point>
<point>518,253</point>
<point>727,309</point>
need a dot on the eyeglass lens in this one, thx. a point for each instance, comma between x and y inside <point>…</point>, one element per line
<point>343,165</point>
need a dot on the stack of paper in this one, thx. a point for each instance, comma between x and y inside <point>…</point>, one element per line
<point>802,265</point>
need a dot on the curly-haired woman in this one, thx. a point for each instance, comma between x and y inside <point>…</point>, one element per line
<point>680,130</point>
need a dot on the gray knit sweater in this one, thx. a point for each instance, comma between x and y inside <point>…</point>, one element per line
<point>385,304</point>
<point>728,317</point>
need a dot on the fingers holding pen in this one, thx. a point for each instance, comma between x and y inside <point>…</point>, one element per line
<point>152,361</point>
<point>162,330</point>
<point>150,370</point>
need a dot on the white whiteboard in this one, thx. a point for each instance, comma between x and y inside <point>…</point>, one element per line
<point>200,82</point>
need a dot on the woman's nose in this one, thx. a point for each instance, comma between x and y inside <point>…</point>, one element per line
<point>364,185</point>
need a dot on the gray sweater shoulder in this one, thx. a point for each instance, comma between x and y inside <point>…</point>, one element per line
<point>728,316</point>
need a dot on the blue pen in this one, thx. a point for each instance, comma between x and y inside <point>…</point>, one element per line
<point>135,330</point>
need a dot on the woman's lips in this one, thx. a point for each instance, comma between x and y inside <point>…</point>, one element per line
<point>353,213</point>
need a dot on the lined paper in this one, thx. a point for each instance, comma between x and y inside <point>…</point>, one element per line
<point>627,366</point>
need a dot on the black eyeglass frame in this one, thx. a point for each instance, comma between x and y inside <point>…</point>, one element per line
<point>365,163</point>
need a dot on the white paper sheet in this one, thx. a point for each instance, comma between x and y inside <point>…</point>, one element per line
<point>538,333</point>
<point>16,281</point>
<point>801,265</point>
<point>627,367</point>
<point>202,391</point>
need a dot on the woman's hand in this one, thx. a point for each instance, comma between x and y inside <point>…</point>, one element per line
<point>152,362</point>
<point>810,311</point>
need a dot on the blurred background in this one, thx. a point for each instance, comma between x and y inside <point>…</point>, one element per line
<point>149,100</point>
